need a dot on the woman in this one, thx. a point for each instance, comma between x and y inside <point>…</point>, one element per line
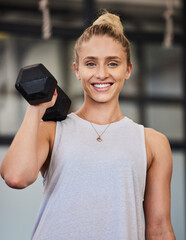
<point>101,170</point>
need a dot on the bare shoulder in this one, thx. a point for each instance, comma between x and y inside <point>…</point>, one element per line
<point>154,136</point>
<point>157,146</point>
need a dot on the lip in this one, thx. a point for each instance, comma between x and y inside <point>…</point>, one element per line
<point>102,86</point>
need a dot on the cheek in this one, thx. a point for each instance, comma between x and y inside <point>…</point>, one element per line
<point>121,80</point>
<point>120,76</point>
<point>121,84</point>
<point>85,74</point>
<point>84,81</point>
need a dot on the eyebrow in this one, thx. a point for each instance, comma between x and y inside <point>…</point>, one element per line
<point>109,58</point>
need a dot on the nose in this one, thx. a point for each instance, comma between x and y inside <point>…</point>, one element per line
<point>102,72</point>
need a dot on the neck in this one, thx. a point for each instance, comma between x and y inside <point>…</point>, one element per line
<point>100,113</point>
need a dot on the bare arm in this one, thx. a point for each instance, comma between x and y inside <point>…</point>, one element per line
<point>157,193</point>
<point>29,149</point>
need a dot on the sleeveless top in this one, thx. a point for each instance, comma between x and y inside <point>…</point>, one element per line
<point>94,190</point>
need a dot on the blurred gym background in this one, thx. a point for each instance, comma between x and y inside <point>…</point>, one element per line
<point>33,32</point>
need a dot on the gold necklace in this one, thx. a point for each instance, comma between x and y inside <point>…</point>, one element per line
<point>99,139</point>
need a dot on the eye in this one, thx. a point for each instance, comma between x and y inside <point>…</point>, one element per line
<point>113,64</point>
<point>90,64</point>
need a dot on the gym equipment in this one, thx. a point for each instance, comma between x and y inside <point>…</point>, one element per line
<point>37,85</point>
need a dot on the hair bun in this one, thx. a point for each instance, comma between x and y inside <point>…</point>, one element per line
<point>110,19</point>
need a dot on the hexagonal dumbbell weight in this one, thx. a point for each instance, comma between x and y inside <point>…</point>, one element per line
<point>37,85</point>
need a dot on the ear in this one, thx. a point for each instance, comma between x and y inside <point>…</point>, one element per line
<point>129,70</point>
<point>76,69</point>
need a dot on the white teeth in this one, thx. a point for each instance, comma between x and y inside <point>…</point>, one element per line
<point>102,85</point>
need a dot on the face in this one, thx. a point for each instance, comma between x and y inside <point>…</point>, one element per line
<point>102,69</point>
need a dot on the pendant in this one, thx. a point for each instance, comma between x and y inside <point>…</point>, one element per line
<point>99,139</point>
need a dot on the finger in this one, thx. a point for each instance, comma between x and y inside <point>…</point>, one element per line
<point>55,92</point>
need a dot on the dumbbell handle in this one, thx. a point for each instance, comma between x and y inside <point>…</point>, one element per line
<point>60,109</point>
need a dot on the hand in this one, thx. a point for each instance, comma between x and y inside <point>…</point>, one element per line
<point>40,109</point>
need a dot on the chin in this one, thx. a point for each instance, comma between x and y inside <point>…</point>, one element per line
<point>102,99</point>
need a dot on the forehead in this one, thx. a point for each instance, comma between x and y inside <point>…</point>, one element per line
<point>100,46</point>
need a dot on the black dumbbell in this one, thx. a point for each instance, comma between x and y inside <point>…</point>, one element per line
<point>37,85</point>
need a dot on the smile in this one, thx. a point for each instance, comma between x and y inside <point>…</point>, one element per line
<point>102,85</point>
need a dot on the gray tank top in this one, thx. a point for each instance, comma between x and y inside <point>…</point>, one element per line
<point>94,190</point>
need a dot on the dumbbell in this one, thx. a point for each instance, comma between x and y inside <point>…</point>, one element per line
<point>37,85</point>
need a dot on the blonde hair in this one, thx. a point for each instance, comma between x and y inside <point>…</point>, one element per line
<point>107,24</point>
